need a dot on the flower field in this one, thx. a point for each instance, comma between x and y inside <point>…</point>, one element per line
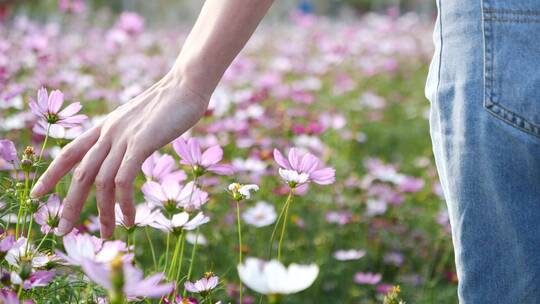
<point>310,178</point>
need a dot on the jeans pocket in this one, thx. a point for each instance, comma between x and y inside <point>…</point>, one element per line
<point>512,62</point>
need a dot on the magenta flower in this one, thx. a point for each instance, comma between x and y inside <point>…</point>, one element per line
<point>48,108</point>
<point>135,285</point>
<point>159,168</point>
<point>299,168</point>
<point>367,278</point>
<point>191,155</point>
<point>179,300</point>
<point>48,215</point>
<point>40,278</point>
<point>8,297</point>
<point>204,285</point>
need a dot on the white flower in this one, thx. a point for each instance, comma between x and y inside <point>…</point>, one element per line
<point>86,247</point>
<point>240,191</point>
<point>376,207</point>
<point>273,278</point>
<point>262,214</point>
<point>293,176</point>
<point>144,215</point>
<point>349,255</point>
<point>181,221</point>
<point>193,237</point>
<point>21,252</point>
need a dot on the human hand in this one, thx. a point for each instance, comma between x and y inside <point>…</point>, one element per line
<point>111,154</point>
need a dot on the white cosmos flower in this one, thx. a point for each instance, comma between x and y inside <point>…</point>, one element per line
<point>181,221</point>
<point>262,214</point>
<point>144,215</point>
<point>273,278</point>
<point>244,191</point>
<point>349,255</point>
<point>293,176</point>
<point>21,251</point>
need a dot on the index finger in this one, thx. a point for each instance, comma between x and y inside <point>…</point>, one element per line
<point>61,165</point>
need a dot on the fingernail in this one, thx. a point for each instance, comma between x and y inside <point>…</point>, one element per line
<point>64,226</point>
<point>36,191</point>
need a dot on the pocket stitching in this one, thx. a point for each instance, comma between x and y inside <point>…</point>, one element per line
<point>490,104</point>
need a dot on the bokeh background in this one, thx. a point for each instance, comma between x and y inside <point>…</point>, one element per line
<point>341,78</point>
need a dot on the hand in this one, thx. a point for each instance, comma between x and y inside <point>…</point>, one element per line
<point>111,154</point>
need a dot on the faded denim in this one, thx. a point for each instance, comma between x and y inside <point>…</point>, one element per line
<point>484,88</point>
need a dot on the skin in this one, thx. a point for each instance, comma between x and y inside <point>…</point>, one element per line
<point>110,155</point>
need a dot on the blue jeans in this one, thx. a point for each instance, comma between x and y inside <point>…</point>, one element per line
<point>484,88</point>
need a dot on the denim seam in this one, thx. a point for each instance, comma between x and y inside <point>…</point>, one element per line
<point>511,20</point>
<point>503,11</point>
<point>493,107</point>
<point>440,53</point>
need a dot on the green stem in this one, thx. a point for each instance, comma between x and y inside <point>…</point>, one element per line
<point>239,228</point>
<point>167,251</point>
<point>41,153</point>
<point>193,250</point>
<point>283,228</point>
<point>175,254</point>
<point>273,237</point>
<point>151,247</point>
<point>179,269</point>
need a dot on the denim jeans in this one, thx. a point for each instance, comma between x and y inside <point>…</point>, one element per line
<point>484,89</point>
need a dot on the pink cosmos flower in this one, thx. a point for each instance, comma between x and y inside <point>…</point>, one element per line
<point>6,242</point>
<point>191,155</point>
<point>159,168</point>
<point>57,131</point>
<point>367,278</point>
<point>170,194</point>
<point>40,278</point>
<point>48,108</point>
<point>300,168</point>
<point>8,297</point>
<point>48,215</point>
<point>135,285</point>
<point>85,247</point>
<point>204,285</point>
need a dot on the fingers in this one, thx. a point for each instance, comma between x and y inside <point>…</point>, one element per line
<point>131,164</point>
<point>105,191</point>
<point>83,178</point>
<point>70,155</point>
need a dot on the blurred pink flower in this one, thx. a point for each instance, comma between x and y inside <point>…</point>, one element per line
<point>144,216</point>
<point>179,300</point>
<point>302,168</point>
<point>48,108</point>
<point>131,23</point>
<point>8,297</point>
<point>191,155</point>
<point>71,6</point>
<point>135,285</point>
<point>367,278</point>
<point>8,151</point>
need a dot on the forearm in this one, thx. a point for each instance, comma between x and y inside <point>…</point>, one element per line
<point>221,31</point>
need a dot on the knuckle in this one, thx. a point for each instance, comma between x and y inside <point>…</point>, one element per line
<point>122,182</point>
<point>80,175</point>
<point>103,183</point>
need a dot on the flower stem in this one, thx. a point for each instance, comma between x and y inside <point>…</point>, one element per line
<point>193,250</point>
<point>239,228</point>
<point>179,269</point>
<point>167,251</point>
<point>278,221</point>
<point>151,247</point>
<point>283,228</point>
